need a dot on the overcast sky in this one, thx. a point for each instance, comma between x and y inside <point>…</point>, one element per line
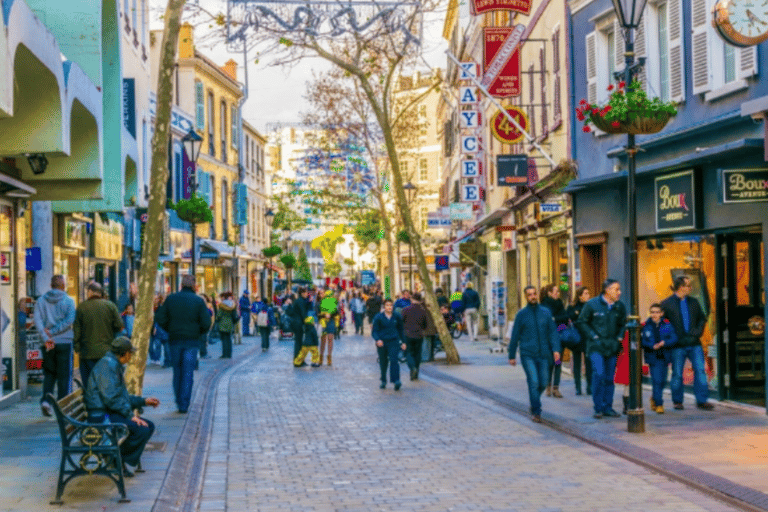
<point>276,95</point>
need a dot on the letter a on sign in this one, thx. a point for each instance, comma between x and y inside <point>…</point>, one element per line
<point>468,95</point>
<point>470,169</point>
<point>469,144</point>
<point>470,119</point>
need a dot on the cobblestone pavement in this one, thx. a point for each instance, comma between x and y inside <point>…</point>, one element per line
<point>327,439</point>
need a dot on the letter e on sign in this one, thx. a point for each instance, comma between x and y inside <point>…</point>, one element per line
<point>470,169</point>
<point>470,193</point>
<point>468,95</point>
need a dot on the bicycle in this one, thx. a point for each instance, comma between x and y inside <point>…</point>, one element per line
<point>458,328</point>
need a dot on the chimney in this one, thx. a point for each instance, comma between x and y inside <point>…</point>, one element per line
<point>186,41</point>
<point>230,69</point>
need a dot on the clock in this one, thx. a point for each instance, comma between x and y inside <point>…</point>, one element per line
<point>742,22</point>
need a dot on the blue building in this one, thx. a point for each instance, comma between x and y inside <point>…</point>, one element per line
<point>702,182</point>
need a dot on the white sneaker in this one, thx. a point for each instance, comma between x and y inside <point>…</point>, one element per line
<point>46,408</point>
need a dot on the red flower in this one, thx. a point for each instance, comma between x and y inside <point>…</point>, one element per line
<point>586,129</point>
<point>615,124</point>
<point>579,116</point>
<point>587,106</point>
<point>606,109</point>
<point>596,111</point>
<point>622,84</point>
<point>583,102</point>
<point>610,87</point>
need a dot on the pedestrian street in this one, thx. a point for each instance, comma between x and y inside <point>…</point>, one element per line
<point>328,439</point>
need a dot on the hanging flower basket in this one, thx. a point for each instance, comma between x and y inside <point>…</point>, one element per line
<point>629,110</point>
<point>193,210</point>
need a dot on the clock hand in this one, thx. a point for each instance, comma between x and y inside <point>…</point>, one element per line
<point>752,17</point>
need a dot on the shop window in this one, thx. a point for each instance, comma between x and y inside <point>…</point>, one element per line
<point>743,277</point>
<point>560,267</point>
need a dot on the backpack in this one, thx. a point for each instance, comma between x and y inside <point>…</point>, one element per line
<point>262,319</point>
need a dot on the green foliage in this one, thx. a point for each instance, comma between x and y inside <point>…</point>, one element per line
<point>194,210</point>
<point>332,269</point>
<point>402,236</point>
<point>302,267</point>
<point>625,105</point>
<point>288,260</point>
<point>286,217</point>
<point>368,228</point>
<point>271,252</point>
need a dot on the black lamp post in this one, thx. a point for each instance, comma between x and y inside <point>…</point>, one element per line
<point>410,190</point>
<point>192,143</point>
<point>269,216</point>
<point>629,14</point>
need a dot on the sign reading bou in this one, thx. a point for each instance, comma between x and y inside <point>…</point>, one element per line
<point>675,202</point>
<point>745,185</point>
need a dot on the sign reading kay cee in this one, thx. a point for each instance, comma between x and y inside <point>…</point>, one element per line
<point>675,202</point>
<point>483,6</point>
<point>501,60</point>
<point>745,185</point>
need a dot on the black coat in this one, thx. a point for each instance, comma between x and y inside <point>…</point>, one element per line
<point>555,306</point>
<point>603,327</point>
<point>298,312</point>
<point>671,307</point>
<point>184,316</point>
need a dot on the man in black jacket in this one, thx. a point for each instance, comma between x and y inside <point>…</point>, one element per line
<point>414,325</point>
<point>297,311</point>
<point>688,319</point>
<point>185,318</point>
<point>373,306</point>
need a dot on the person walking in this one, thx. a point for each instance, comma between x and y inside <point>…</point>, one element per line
<point>414,326</point>
<point>387,332</point>
<point>357,306</point>
<point>549,297</point>
<point>534,332</point>
<point>373,306</point>
<point>658,338</point>
<point>402,302</point>
<point>245,312</point>
<point>53,317</point>
<point>97,322</point>
<point>688,319</point>
<point>470,301</point>
<point>107,399</point>
<point>602,323</point>
<point>298,311</point>
<point>265,320</point>
<point>227,318</point>
<point>579,352</point>
<point>329,314</point>
<point>128,318</point>
<point>186,319</point>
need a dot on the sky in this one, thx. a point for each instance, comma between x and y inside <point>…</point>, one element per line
<point>275,94</point>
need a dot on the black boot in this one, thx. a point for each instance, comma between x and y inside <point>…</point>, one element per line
<point>625,399</point>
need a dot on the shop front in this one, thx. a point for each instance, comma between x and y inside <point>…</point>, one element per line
<point>708,223</point>
<point>68,254</point>
<point>106,254</point>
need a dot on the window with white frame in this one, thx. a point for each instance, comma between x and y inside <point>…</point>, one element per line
<point>660,39</point>
<point>605,56</point>
<point>718,68</point>
<point>423,218</point>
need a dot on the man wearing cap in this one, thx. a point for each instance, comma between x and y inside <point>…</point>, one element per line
<point>97,322</point>
<point>245,312</point>
<point>107,399</point>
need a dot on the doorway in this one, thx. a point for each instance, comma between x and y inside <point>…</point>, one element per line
<point>742,320</point>
<point>593,267</point>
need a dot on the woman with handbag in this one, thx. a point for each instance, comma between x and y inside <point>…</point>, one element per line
<point>549,297</point>
<point>580,298</point>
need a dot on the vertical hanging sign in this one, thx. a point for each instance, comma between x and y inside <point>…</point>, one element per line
<point>501,60</point>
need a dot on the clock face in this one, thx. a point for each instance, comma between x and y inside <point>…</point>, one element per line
<point>742,22</point>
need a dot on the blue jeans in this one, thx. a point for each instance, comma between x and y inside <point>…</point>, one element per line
<point>658,370</point>
<point>700,387</point>
<point>155,348</point>
<point>388,356</point>
<point>166,354</point>
<point>183,360</point>
<point>246,324</point>
<point>265,332</point>
<point>537,376</point>
<point>603,371</point>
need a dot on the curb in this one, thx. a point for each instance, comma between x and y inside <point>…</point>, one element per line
<point>733,494</point>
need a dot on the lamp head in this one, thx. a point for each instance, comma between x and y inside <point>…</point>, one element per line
<point>192,144</point>
<point>270,217</point>
<point>37,162</point>
<point>629,12</point>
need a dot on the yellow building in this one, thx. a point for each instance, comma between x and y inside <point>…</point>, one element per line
<point>516,241</point>
<point>214,97</point>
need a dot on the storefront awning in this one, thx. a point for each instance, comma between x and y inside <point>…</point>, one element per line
<point>220,248</point>
<point>493,218</point>
<point>12,187</point>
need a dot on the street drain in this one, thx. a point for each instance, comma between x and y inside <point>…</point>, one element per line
<point>155,446</point>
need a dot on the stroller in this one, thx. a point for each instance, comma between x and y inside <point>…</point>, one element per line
<point>285,327</point>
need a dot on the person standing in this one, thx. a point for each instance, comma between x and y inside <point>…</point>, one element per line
<point>414,326</point>
<point>357,306</point>
<point>470,301</point>
<point>107,399</point>
<point>534,332</point>
<point>550,299</point>
<point>688,319</point>
<point>186,319</point>
<point>574,310</point>
<point>227,318</point>
<point>54,316</point>
<point>97,322</point>
<point>245,312</point>
<point>602,323</point>
<point>265,320</point>
<point>658,337</point>
<point>387,332</point>
<point>298,311</point>
<point>402,302</point>
<point>329,314</point>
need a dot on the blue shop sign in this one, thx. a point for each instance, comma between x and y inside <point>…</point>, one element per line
<point>34,259</point>
<point>129,105</point>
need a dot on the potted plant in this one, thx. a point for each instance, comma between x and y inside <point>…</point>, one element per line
<point>629,110</point>
<point>193,210</point>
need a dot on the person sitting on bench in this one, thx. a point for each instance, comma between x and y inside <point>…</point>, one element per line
<point>107,400</point>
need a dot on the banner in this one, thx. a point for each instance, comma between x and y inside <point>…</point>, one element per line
<point>483,6</point>
<point>501,60</point>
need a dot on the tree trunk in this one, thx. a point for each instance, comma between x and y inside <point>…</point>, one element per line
<point>387,236</point>
<point>153,228</point>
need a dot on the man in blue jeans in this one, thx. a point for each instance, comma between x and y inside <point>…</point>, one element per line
<point>602,323</point>
<point>534,331</point>
<point>688,319</point>
<point>185,317</point>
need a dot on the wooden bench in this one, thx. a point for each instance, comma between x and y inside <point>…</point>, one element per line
<point>87,448</point>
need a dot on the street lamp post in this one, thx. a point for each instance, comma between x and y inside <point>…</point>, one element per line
<point>629,14</point>
<point>410,190</point>
<point>192,143</point>
<point>269,216</point>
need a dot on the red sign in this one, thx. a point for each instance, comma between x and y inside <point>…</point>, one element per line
<point>507,81</point>
<point>483,6</point>
<point>504,130</point>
